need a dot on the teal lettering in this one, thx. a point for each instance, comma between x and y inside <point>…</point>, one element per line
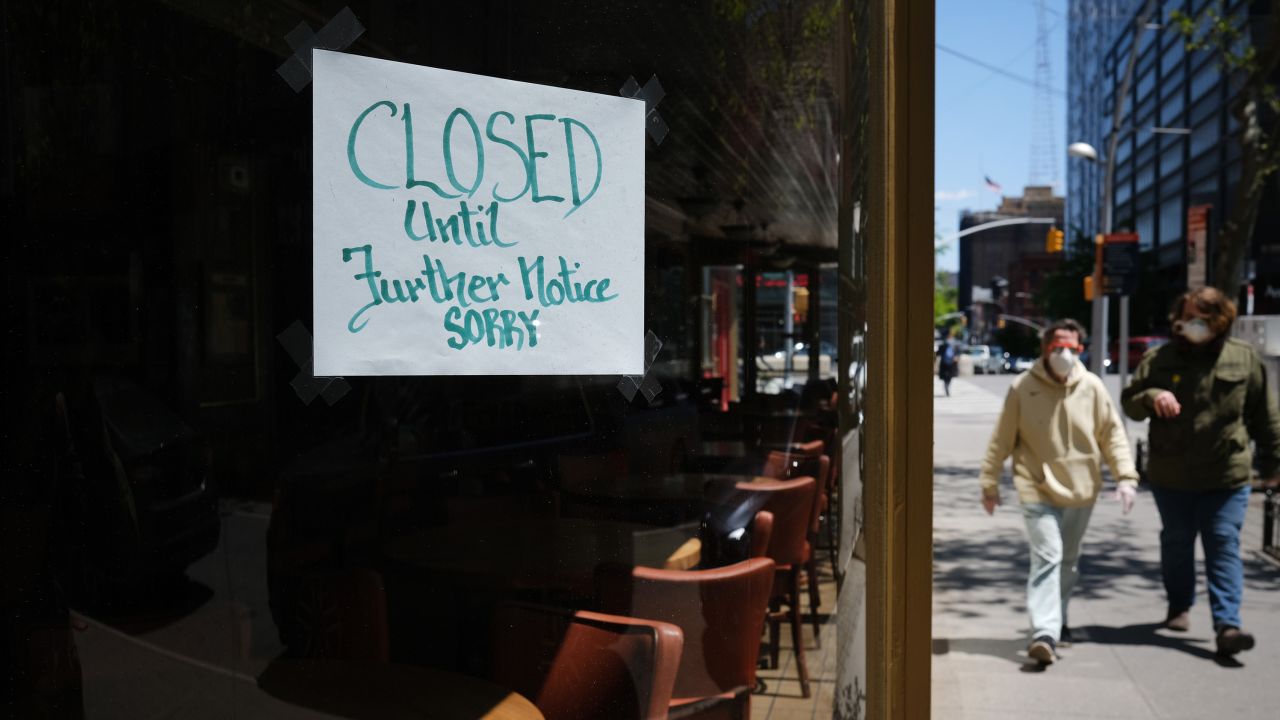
<point>370,276</point>
<point>578,202</point>
<point>408,221</point>
<point>524,159</point>
<point>534,154</point>
<point>351,147</point>
<point>451,324</point>
<point>448,152</point>
<point>410,181</point>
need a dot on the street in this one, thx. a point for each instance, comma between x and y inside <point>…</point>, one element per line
<point>1121,665</point>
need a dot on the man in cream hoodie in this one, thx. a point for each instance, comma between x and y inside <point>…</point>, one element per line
<point>1059,424</point>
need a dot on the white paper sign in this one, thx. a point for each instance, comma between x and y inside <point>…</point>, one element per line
<point>466,225</point>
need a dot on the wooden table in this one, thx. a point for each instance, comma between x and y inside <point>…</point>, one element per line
<point>535,553</point>
<point>389,691</point>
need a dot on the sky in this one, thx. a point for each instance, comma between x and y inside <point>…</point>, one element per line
<point>984,118</point>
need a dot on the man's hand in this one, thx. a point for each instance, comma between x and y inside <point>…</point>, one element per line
<point>1167,406</point>
<point>990,502</point>
<point>1126,495</point>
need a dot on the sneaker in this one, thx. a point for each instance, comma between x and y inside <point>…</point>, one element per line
<point>1232,640</point>
<point>1064,637</point>
<point>1179,621</point>
<point>1042,650</point>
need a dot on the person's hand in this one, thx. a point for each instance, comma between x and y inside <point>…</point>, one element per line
<point>1126,495</point>
<point>1271,484</point>
<point>990,502</point>
<point>1167,406</point>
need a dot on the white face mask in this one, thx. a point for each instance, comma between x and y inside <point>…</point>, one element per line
<point>1195,331</point>
<point>1061,360</point>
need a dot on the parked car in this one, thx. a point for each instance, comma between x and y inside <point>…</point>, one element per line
<point>982,358</point>
<point>1138,347</point>
<point>135,504</point>
<point>1016,364</point>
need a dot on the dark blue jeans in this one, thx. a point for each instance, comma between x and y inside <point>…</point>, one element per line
<point>1218,517</point>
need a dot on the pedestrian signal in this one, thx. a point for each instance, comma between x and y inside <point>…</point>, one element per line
<point>1054,240</point>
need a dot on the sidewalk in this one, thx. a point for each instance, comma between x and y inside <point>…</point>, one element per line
<point>1122,665</point>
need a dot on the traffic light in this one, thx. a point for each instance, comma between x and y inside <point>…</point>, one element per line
<point>1088,288</point>
<point>1054,240</point>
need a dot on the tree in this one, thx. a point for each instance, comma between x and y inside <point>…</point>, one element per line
<point>945,294</point>
<point>1256,106</point>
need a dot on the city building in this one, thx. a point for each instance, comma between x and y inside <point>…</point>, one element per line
<point>1177,157</point>
<point>1003,264</point>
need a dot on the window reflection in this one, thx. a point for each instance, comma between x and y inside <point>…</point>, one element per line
<point>214,514</point>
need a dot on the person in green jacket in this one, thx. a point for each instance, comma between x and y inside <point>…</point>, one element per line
<point>1207,396</point>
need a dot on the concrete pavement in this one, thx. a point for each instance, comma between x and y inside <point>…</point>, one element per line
<point>1122,664</point>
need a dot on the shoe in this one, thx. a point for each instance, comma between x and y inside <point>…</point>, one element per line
<point>1042,650</point>
<point>1179,621</point>
<point>1064,637</point>
<point>1232,640</point>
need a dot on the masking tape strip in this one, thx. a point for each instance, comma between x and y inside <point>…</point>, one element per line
<point>337,34</point>
<point>652,93</point>
<point>297,341</point>
<point>645,384</point>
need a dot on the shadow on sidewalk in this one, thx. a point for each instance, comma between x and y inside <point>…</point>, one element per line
<point>1146,635</point>
<point>1010,650</point>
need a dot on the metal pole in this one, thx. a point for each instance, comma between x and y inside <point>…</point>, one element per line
<point>1123,349</point>
<point>1100,304</point>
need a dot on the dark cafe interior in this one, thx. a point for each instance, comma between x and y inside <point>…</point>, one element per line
<point>196,526</point>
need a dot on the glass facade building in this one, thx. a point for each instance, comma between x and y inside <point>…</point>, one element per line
<point>1177,145</point>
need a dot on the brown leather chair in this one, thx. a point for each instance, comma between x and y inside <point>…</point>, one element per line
<point>784,466</point>
<point>761,532</point>
<point>585,664</point>
<point>793,504</point>
<point>721,612</point>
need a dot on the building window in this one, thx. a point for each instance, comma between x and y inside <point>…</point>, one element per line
<point>1205,79</point>
<point>1171,220</point>
<point>1145,227</point>
<point>1171,159</point>
<point>1146,177</point>
<point>1204,137</point>
<point>1171,112</point>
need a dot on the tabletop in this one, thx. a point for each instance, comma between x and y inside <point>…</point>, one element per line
<point>391,691</point>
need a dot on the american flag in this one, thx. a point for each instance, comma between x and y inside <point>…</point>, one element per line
<point>992,184</point>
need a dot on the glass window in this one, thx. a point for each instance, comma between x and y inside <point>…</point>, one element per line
<point>1171,108</point>
<point>1171,217</point>
<point>1174,54</point>
<point>1124,191</point>
<point>235,517</point>
<point>1204,80</point>
<point>1145,226</point>
<point>1171,159</point>
<point>1145,178</point>
<point>1145,84</point>
<point>1204,137</point>
<point>1207,107</point>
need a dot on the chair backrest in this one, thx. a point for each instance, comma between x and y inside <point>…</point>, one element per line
<point>585,664</point>
<point>341,615</point>
<point>761,532</point>
<point>792,503</point>
<point>721,612</point>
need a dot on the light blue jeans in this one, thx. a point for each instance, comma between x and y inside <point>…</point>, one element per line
<point>1055,535</point>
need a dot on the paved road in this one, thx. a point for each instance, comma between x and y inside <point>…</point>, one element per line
<point>1124,667</point>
